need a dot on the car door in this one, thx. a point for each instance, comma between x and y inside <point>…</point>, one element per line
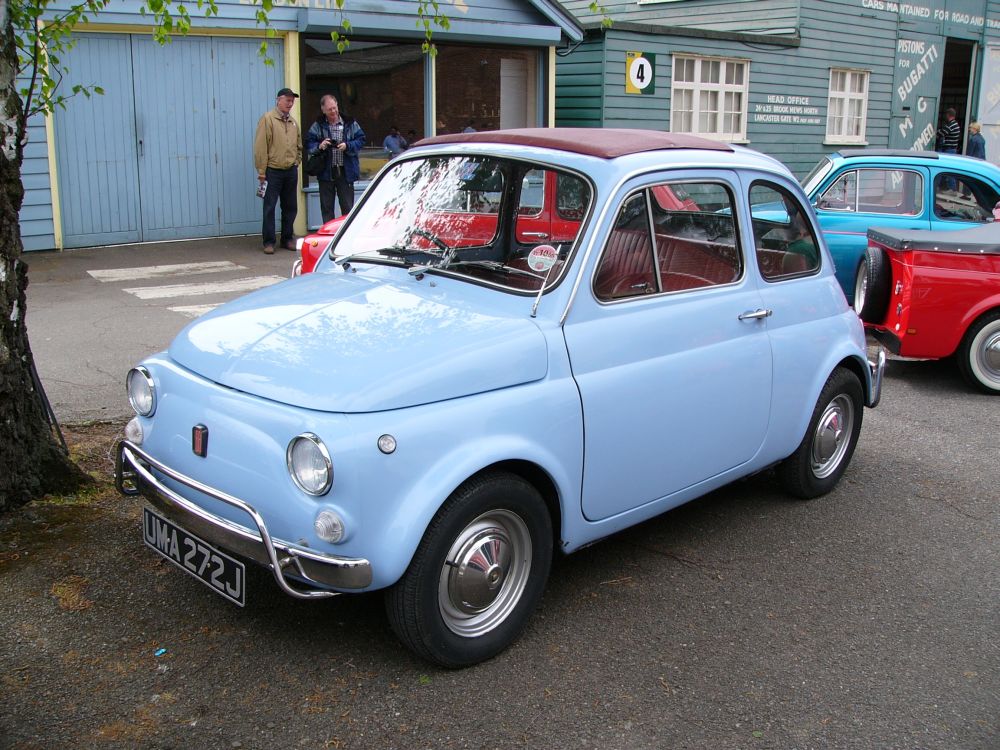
<point>855,198</point>
<point>672,366</point>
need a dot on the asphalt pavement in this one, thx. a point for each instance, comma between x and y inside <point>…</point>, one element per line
<point>93,313</point>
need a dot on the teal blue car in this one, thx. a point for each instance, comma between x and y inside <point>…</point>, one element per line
<point>855,189</point>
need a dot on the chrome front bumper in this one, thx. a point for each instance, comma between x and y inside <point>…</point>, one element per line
<point>133,477</point>
<point>877,369</point>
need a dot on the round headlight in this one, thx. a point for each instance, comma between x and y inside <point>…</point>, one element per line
<point>141,391</point>
<point>309,464</point>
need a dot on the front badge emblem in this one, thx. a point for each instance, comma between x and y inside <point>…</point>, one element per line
<point>199,440</point>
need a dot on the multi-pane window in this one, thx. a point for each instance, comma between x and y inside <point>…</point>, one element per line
<point>847,107</point>
<point>708,97</point>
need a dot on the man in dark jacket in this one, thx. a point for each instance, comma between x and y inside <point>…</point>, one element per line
<point>342,139</point>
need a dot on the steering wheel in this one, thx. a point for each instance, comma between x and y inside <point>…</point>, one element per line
<point>438,242</point>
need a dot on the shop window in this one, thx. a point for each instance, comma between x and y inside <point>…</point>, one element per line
<point>379,84</point>
<point>847,106</point>
<point>708,97</point>
<point>486,88</point>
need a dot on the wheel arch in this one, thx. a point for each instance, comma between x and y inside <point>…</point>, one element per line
<point>542,481</point>
<point>973,315</point>
<point>413,512</point>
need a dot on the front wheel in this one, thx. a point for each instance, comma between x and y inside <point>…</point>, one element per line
<point>824,453</point>
<point>979,353</point>
<point>477,575</point>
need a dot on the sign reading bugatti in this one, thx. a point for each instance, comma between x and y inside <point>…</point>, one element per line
<point>639,71</point>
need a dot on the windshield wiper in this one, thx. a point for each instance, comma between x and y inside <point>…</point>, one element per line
<point>495,265</point>
<point>393,251</point>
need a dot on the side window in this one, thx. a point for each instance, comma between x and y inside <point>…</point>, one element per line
<point>898,192</point>
<point>571,197</point>
<point>695,247</point>
<point>785,242</point>
<point>626,266</point>
<point>842,195</point>
<point>958,197</point>
<point>532,193</point>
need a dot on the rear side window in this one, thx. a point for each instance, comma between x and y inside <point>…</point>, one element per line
<point>959,197</point>
<point>666,240</point>
<point>895,192</point>
<point>786,244</point>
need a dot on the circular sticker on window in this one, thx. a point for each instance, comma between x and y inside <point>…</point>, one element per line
<point>542,258</point>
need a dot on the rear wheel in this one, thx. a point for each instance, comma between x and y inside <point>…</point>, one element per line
<point>979,353</point>
<point>477,575</point>
<point>824,453</point>
<point>871,286</point>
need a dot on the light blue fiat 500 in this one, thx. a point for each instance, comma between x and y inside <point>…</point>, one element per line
<point>477,375</point>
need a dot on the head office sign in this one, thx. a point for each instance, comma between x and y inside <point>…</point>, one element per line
<point>639,71</point>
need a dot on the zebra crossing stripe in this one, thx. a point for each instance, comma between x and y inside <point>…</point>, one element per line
<point>159,272</point>
<point>205,287</point>
<point>193,311</point>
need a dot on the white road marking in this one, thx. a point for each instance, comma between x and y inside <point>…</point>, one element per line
<point>206,287</point>
<point>193,311</point>
<point>157,272</point>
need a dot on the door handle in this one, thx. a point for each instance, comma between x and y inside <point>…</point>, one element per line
<point>536,235</point>
<point>756,314</point>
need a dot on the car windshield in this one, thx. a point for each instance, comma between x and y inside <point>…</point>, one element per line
<point>500,221</point>
<point>817,175</point>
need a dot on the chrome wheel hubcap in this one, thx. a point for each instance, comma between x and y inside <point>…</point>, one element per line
<point>860,289</point>
<point>485,573</point>
<point>832,436</point>
<point>990,356</point>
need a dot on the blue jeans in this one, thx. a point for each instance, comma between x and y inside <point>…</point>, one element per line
<point>283,185</point>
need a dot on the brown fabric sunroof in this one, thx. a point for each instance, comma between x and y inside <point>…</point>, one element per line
<point>605,143</point>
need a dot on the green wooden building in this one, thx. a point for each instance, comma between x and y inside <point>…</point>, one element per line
<point>792,78</point>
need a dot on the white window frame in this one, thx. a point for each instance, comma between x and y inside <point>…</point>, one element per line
<point>838,106</point>
<point>698,90</point>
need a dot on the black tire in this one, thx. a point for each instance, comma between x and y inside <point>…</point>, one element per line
<point>450,610</point>
<point>824,453</point>
<point>871,286</point>
<point>979,353</point>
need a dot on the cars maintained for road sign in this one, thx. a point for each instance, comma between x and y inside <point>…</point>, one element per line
<point>930,295</point>
<point>457,395</point>
<point>856,189</point>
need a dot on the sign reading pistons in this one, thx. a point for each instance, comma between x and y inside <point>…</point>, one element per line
<point>639,72</point>
<point>542,258</point>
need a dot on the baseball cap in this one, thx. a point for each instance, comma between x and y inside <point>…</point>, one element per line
<point>287,92</point>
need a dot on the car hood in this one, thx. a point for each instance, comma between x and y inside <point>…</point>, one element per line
<point>348,343</point>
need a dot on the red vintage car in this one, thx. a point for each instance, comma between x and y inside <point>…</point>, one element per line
<point>931,294</point>
<point>550,209</point>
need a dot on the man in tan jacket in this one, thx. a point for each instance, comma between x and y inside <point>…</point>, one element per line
<point>277,151</point>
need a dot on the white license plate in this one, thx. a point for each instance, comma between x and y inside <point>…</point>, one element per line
<point>217,570</point>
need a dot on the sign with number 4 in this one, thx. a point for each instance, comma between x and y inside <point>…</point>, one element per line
<point>639,71</point>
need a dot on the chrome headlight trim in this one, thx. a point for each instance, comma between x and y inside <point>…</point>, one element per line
<point>149,393</point>
<point>324,455</point>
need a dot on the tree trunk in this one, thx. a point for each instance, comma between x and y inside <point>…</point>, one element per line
<point>32,463</point>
